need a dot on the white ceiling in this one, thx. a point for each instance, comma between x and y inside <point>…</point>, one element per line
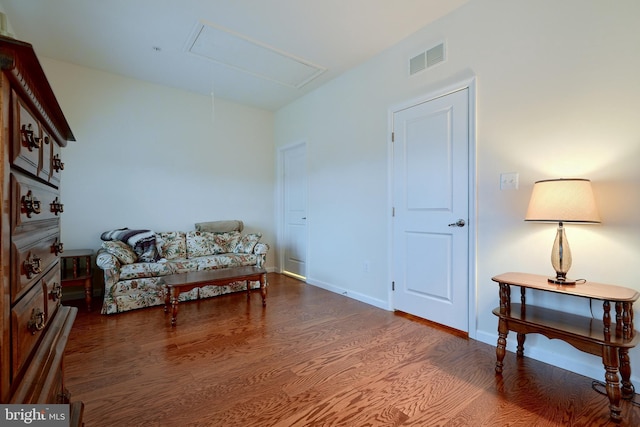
<point>151,39</point>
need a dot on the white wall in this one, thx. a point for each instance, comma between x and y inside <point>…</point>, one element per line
<point>149,156</point>
<point>557,96</point>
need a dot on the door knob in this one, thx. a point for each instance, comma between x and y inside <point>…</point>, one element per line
<point>458,223</point>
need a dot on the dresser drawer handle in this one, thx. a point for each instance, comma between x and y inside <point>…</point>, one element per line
<point>37,321</point>
<point>30,204</point>
<point>32,141</point>
<point>57,163</point>
<point>57,248</point>
<point>32,266</point>
<point>56,292</point>
<point>57,207</point>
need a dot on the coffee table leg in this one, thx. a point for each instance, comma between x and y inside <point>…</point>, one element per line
<point>167,298</point>
<point>175,291</point>
<point>263,289</point>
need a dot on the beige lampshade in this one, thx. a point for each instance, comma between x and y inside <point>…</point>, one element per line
<point>563,200</point>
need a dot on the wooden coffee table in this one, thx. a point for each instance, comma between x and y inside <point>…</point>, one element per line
<point>184,282</point>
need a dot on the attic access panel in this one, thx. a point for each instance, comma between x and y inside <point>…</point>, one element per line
<point>251,56</point>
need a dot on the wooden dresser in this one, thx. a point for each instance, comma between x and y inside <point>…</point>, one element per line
<point>35,326</point>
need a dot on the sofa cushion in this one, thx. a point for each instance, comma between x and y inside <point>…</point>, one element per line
<point>247,243</point>
<point>183,265</point>
<point>123,252</point>
<point>212,262</point>
<point>172,244</point>
<point>144,269</point>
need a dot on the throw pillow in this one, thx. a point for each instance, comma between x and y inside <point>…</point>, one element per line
<point>172,244</point>
<point>220,226</point>
<point>224,243</point>
<point>120,250</point>
<point>199,243</point>
<point>247,243</point>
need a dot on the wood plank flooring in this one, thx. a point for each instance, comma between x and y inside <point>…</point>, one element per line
<point>311,358</point>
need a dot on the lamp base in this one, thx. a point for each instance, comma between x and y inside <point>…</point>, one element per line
<point>562,281</point>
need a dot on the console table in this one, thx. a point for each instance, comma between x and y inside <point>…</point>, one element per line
<point>76,271</point>
<point>592,336</point>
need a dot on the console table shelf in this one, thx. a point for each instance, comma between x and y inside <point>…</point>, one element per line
<point>610,338</point>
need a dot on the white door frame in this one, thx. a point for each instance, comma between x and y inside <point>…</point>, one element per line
<point>280,206</point>
<point>470,84</point>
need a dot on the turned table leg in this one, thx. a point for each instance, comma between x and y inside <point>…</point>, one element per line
<point>625,372</point>
<point>503,327</point>
<point>167,298</point>
<point>88,290</point>
<point>520,350</point>
<point>503,330</point>
<point>175,292</point>
<point>610,361</point>
<point>263,289</point>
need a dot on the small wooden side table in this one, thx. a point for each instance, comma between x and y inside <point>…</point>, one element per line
<point>77,271</point>
<point>603,338</point>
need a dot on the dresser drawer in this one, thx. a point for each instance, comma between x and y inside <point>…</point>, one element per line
<point>31,255</point>
<point>26,137</point>
<point>41,380</point>
<point>28,321</point>
<point>33,203</point>
<point>52,289</point>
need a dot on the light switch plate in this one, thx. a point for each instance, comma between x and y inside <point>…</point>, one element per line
<point>509,181</point>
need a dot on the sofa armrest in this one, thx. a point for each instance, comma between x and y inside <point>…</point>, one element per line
<point>110,266</point>
<point>106,261</point>
<point>261,250</point>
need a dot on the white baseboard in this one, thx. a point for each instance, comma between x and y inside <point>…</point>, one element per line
<point>348,293</point>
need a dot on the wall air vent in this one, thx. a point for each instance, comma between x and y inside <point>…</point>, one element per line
<point>417,63</point>
<point>427,59</point>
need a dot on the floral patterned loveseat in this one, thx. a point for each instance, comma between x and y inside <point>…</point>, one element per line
<point>134,261</point>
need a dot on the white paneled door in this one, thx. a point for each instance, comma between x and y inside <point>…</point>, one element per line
<point>431,210</point>
<point>294,195</point>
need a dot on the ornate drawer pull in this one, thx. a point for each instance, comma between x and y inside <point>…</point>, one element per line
<point>36,323</point>
<point>57,248</point>
<point>56,292</point>
<point>46,139</point>
<point>57,207</point>
<point>57,163</point>
<point>30,204</point>
<point>32,141</point>
<point>32,266</point>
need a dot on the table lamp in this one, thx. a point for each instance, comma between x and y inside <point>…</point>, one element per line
<point>562,200</point>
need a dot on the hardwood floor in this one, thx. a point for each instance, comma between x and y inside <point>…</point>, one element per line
<point>311,358</point>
